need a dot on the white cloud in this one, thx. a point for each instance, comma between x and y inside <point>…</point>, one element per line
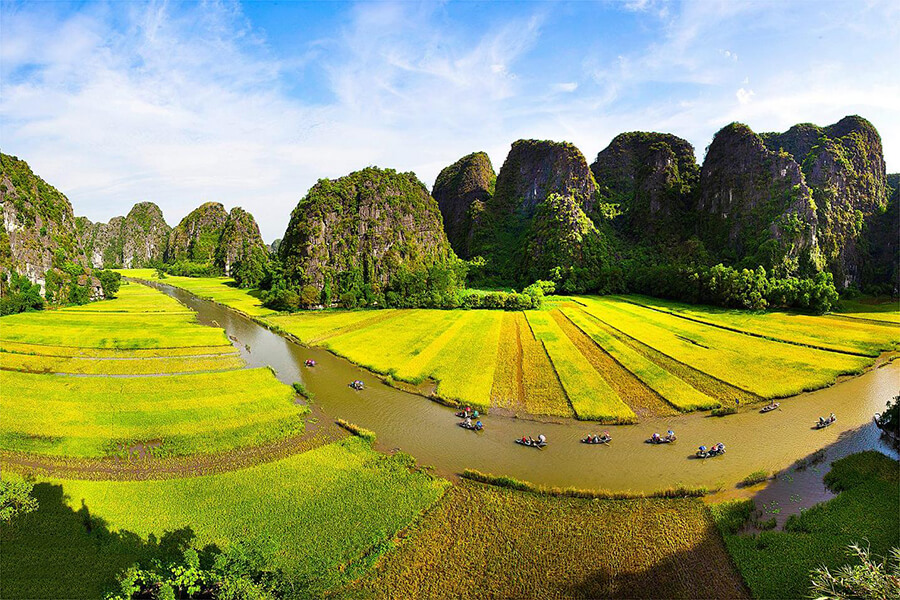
<point>744,96</point>
<point>567,87</point>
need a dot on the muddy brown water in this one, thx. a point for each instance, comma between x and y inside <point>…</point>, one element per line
<point>429,432</point>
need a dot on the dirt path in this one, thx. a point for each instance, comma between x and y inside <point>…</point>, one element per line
<point>318,433</point>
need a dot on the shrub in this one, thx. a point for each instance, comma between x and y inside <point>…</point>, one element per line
<point>755,477</point>
<point>723,411</point>
<point>301,389</point>
<point>309,296</point>
<point>869,579</point>
<point>16,499</point>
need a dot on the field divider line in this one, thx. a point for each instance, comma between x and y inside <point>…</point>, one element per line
<point>126,376</point>
<point>186,356</point>
<point>736,330</point>
<point>659,396</point>
<point>673,359</point>
<point>116,349</point>
<point>555,372</point>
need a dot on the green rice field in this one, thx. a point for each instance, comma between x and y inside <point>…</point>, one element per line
<point>219,289</point>
<point>322,517</point>
<point>137,373</point>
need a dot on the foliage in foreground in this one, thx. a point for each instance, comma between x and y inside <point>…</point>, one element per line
<point>869,579</point>
<point>776,564</point>
<point>16,499</point>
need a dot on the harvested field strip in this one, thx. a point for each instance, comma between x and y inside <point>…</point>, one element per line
<point>822,332</point>
<point>667,548</point>
<point>508,389</point>
<point>195,413</point>
<point>669,386</point>
<point>141,465</point>
<point>465,365</point>
<point>642,399</point>
<point>544,393</point>
<point>766,368</point>
<point>591,396</point>
<point>126,366</point>
<point>322,517</point>
<point>113,353</point>
<point>392,343</point>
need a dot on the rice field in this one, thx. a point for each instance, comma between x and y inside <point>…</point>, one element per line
<point>512,544</point>
<point>138,374</point>
<point>827,332</point>
<point>591,395</point>
<point>173,415</point>
<point>763,367</point>
<point>886,310</point>
<point>322,517</point>
<point>219,289</point>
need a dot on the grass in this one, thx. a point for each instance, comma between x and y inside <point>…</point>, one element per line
<point>819,331</point>
<point>873,309</point>
<point>181,414</point>
<point>134,297</point>
<point>590,394</point>
<point>668,385</point>
<point>755,477</point>
<point>114,353</point>
<point>323,517</point>
<point>776,564</point>
<point>219,289</point>
<point>484,541</point>
<point>571,492</point>
<point>724,411</point>
<point>763,367</point>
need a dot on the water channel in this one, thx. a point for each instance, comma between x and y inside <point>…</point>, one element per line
<point>429,432</point>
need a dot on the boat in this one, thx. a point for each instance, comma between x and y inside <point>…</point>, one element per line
<point>657,439</point>
<point>467,415</point>
<point>477,426</point>
<point>716,450</point>
<point>823,423</point>
<point>310,362</point>
<point>539,444</point>
<point>770,407</point>
<point>356,385</point>
<point>593,439</point>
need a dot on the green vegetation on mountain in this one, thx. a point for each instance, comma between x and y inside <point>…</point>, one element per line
<point>461,191</point>
<point>137,240</point>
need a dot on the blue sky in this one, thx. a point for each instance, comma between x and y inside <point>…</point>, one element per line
<point>250,103</point>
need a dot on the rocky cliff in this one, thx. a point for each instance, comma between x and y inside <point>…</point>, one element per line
<point>38,237</point>
<point>363,227</point>
<point>461,191</point>
<point>532,171</point>
<point>137,240</point>
<point>652,178</point>
<point>881,241</point>
<point>240,251</point>
<point>754,206</point>
<point>196,237</point>
<point>843,165</point>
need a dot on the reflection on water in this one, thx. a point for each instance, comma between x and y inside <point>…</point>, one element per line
<point>428,431</point>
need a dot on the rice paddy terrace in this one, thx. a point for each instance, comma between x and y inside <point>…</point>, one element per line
<point>148,423</point>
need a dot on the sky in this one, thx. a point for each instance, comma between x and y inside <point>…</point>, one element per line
<point>249,104</point>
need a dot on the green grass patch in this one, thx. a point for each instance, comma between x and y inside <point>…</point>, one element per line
<point>326,515</point>
<point>362,432</point>
<point>755,477</point>
<point>723,411</point>
<point>776,564</point>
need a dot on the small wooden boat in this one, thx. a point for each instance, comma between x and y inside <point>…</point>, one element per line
<point>770,407</point>
<point>825,423</point>
<point>310,362</point>
<point>356,385</point>
<point>596,439</point>
<point>531,443</point>
<point>471,426</point>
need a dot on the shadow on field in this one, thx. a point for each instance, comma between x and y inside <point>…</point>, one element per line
<point>58,552</point>
<point>696,573</point>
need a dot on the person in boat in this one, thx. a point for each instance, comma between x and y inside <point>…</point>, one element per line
<point>478,425</point>
<point>475,414</point>
<point>832,418</point>
<point>655,437</point>
<point>524,440</point>
<point>467,409</point>
<point>821,420</point>
<point>605,436</point>
<point>541,439</point>
<point>670,435</point>
<point>468,421</point>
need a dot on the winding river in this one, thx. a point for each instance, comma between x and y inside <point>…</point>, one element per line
<point>429,432</point>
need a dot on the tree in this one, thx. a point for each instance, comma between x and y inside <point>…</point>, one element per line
<point>110,282</point>
<point>870,579</point>
<point>16,499</point>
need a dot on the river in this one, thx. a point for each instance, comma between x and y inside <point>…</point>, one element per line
<point>429,432</point>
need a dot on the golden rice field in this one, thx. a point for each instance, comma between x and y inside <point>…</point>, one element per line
<point>513,544</point>
<point>136,373</point>
<point>612,359</point>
